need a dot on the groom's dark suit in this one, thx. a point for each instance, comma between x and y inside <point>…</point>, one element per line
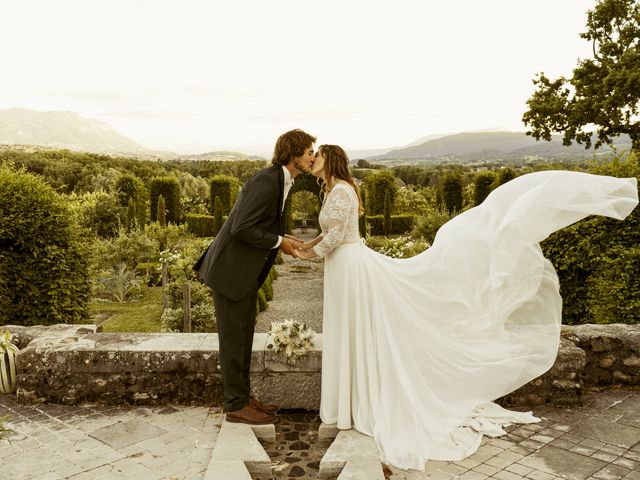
<point>235,265</point>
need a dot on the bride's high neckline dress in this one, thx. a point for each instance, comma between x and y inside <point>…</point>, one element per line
<point>415,350</point>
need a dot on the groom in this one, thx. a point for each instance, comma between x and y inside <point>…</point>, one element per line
<point>239,259</point>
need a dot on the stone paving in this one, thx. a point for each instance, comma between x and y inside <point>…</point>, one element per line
<point>54,442</point>
<point>599,441</point>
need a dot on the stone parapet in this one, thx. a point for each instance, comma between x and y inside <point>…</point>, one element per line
<point>73,364</point>
<point>590,357</point>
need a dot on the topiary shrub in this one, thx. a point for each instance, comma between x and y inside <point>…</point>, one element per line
<point>218,215</point>
<point>162,212</point>
<point>267,288</point>
<point>200,225</point>
<point>376,187</point>
<point>452,186</point>
<point>262,300</point>
<point>44,274</point>
<point>483,184</point>
<point>169,188</point>
<point>273,273</point>
<point>226,188</point>
<point>399,224</point>
<point>131,191</point>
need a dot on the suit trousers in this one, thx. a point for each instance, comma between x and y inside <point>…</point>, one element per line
<point>236,321</point>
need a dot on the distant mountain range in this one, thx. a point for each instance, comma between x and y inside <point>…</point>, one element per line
<point>220,155</point>
<point>375,152</point>
<point>62,130</point>
<point>491,146</point>
<point>24,127</point>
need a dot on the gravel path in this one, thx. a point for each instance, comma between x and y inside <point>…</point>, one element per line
<point>297,293</point>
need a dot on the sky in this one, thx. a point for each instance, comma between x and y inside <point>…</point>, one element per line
<point>193,76</point>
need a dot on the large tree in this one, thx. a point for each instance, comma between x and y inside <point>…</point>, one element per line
<point>604,91</point>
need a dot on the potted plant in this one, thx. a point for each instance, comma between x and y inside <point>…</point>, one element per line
<point>8,354</point>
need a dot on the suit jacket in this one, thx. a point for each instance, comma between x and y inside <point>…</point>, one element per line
<point>242,253</point>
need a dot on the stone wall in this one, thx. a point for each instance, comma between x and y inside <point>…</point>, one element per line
<point>590,356</point>
<point>73,364</point>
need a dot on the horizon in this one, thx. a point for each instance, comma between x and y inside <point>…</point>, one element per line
<point>364,75</point>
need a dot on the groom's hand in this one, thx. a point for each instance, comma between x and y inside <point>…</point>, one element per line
<point>289,245</point>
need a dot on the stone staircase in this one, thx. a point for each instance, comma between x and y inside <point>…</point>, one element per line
<point>238,454</point>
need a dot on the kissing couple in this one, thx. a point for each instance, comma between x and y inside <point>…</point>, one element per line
<point>416,350</point>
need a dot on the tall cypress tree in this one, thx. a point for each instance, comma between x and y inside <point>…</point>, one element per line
<point>162,212</point>
<point>387,213</point>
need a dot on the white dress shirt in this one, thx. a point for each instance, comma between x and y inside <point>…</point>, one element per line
<point>288,183</point>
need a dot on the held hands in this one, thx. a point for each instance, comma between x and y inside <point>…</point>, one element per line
<point>305,254</point>
<point>297,247</point>
<point>290,244</point>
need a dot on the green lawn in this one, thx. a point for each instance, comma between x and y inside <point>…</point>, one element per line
<point>142,315</point>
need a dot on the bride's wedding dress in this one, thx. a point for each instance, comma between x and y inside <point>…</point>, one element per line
<point>415,350</point>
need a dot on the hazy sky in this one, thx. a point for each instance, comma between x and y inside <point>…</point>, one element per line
<point>198,75</point>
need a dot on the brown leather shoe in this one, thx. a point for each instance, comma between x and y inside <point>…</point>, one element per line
<point>250,415</point>
<point>269,408</point>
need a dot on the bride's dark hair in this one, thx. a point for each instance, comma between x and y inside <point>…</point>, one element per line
<point>336,166</point>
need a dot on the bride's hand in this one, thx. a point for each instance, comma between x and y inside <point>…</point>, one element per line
<point>304,254</point>
<point>306,246</point>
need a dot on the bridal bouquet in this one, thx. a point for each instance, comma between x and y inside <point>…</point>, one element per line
<point>291,338</point>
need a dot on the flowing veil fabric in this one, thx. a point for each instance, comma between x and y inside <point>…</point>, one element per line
<point>415,350</point>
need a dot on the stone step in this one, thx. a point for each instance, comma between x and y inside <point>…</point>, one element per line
<point>327,432</point>
<point>238,454</point>
<point>227,470</point>
<point>352,456</point>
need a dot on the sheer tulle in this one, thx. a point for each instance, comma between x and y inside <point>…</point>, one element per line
<point>415,350</point>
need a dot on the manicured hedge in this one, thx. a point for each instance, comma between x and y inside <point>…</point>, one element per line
<point>399,224</point>
<point>44,275</point>
<point>225,187</point>
<point>169,188</point>
<point>200,225</point>
<point>598,261</point>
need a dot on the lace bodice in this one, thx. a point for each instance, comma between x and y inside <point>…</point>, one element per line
<point>338,219</point>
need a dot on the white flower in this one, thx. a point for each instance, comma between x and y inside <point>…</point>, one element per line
<point>291,338</point>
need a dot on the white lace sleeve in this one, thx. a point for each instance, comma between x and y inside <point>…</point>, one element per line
<point>336,212</point>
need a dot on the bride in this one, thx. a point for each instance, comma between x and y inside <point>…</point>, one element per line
<point>415,350</point>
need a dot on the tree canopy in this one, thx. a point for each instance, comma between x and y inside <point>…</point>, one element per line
<point>604,91</point>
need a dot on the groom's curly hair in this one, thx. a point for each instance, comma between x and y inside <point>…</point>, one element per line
<point>291,144</point>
